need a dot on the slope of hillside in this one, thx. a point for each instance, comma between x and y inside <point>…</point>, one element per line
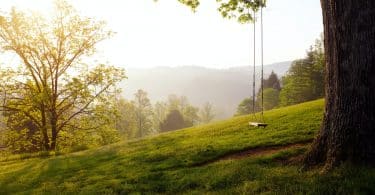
<point>198,84</point>
<point>222,157</point>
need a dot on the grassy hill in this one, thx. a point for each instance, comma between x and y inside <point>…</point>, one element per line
<point>225,157</point>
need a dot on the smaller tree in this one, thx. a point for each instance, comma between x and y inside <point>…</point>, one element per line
<point>305,78</point>
<point>270,98</point>
<point>143,109</point>
<point>295,90</point>
<point>179,103</point>
<point>159,115</point>
<point>173,102</point>
<point>126,119</point>
<point>272,82</point>
<point>173,121</point>
<point>271,91</point>
<point>244,107</point>
<point>207,113</point>
<point>191,116</point>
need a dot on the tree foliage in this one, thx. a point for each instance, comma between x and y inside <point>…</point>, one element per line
<point>159,114</point>
<point>241,10</point>
<point>271,90</point>
<point>207,113</point>
<point>173,121</point>
<point>188,111</point>
<point>305,78</point>
<point>54,89</point>
<point>126,118</point>
<point>138,118</point>
<point>272,82</point>
<point>270,99</point>
<point>191,116</point>
<point>143,110</point>
<point>246,107</point>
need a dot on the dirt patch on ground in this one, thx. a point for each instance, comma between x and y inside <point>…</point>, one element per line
<point>261,151</point>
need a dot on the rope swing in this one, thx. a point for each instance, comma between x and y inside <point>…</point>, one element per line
<point>257,123</point>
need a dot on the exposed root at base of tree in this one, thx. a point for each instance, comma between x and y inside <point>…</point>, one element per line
<point>260,151</point>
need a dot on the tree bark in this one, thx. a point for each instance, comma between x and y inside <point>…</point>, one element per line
<point>44,128</point>
<point>54,134</point>
<point>348,129</point>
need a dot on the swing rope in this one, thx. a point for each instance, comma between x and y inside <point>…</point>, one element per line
<point>254,62</point>
<point>262,123</point>
<point>261,48</point>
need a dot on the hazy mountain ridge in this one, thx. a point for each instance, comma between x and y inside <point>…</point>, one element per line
<point>224,88</point>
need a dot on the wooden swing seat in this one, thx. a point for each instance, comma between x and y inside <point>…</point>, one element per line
<point>256,124</point>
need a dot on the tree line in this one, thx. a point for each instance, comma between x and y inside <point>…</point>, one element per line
<point>303,82</point>
<point>138,117</point>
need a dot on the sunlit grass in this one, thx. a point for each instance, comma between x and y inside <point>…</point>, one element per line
<point>167,163</point>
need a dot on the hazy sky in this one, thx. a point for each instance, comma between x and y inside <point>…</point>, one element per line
<point>167,33</point>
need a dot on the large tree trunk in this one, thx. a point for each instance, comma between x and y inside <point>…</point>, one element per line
<point>348,129</point>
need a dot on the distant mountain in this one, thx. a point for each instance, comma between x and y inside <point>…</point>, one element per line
<point>224,88</point>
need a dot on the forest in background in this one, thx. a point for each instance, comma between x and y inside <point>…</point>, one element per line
<point>224,88</point>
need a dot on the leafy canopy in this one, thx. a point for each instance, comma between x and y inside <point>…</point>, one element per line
<point>242,10</point>
<point>55,88</point>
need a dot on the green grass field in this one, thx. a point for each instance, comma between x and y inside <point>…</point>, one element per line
<point>195,161</point>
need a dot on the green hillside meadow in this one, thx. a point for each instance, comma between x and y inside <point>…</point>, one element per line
<point>226,157</point>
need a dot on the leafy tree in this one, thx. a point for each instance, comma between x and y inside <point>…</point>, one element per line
<point>173,121</point>
<point>305,78</point>
<point>272,82</point>
<point>189,112</point>
<point>237,9</point>
<point>177,103</point>
<point>84,134</point>
<point>184,103</point>
<point>191,116</point>
<point>143,109</point>
<point>105,115</point>
<point>126,119</point>
<point>270,98</point>
<point>271,92</point>
<point>159,114</point>
<point>20,135</point>
<point>173,102</point>
<point>318,69</point>
<point>246,107</point>
<point>297,86</point>
<point>206,114</point>
<point>53,88</point>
